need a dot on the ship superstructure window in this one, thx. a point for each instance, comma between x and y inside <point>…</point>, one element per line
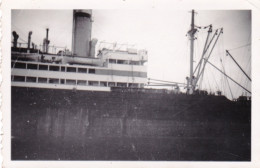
<point>62,69</point>
<point>19,78</point>
<point>133,85</point>
<point>103,83</point>
<point>122,62</point>
<point>70,82</point>
<point>32,66</point>
<point>112,61</point>
<point>20,65</point>
<point>111,84</point>
<point>71,69</point>
<point>53,80</point>
<point>82,70</point>
<point>93,83</point>
<point>43,67</point>
<point>42,80</point>
<point>134,63</point>
<point>30,79</point>
<point>54,68</point>
<point>92,71</point>
<point>119,84</point>
<point>82,82</point>
<point>62,81</point>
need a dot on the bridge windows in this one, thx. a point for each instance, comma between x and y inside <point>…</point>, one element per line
<point>111,84</point>
<point>20,65</point>
<point>112,61</point>
<point>133,85</point>
<point>70,82</point>
<point>119,84</point>
<point>54,80</point>
<point>102,83</point>
<point>62,69</point>
<point>93,83</point>
<point>134,63</point>
<point>122,61</point>
<point>62,81</point>
<point>79,72</point>
<point>54,68</point>
<point>92,71</point>
<point>42,80</point>
<point>32,66</point>
<point>82,70</point>
<point>125,62</point>
<point>43,67</point>
<point>82,82</point>
<point>31,79</point>
<point>19,78</point>
<point>71,69</point>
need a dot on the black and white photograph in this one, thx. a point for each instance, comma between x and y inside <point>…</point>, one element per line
<point>138,85</point>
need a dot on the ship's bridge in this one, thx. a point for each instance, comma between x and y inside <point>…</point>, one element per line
<point>130,56</point>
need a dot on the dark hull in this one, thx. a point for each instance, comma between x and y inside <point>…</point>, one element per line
<point>127,125</point>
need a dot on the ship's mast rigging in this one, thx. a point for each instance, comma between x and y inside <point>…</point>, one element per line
<point>200,68</point>
<point>197,74</point>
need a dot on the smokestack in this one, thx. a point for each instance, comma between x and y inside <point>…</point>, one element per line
<point>93,47</point>
<point>47,33</point>
<point>16,36</point>
<point>81,32</point>
<point>47,40</point>
<point>29,39</point>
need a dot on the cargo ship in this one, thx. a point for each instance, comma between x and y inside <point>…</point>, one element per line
<point>83,105</point>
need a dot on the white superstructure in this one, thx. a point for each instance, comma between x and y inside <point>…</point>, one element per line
<point>111,68</point>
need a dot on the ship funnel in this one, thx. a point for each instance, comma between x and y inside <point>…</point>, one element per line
<point>81,33</point>
<point>16,36</point>
<point>93,47</point>
<point>29,39</point>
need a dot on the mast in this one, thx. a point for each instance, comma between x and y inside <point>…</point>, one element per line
<point>191,33</point>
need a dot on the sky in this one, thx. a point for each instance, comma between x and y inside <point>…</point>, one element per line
<point>162,33</point>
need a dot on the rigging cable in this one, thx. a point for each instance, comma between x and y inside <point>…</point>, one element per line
<point>217,86</point>
<point>240,47</point>
<point>226,79</point>
<point>210,88</point>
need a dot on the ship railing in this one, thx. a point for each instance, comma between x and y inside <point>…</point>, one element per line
<point>56,50</point>
<point>20,45</point>
<point>117,46</point>
<point>24,45</point>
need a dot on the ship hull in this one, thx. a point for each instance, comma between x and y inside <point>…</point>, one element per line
<point>125,124</point>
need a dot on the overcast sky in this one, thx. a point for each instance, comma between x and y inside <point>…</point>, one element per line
<point>161,32</point>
